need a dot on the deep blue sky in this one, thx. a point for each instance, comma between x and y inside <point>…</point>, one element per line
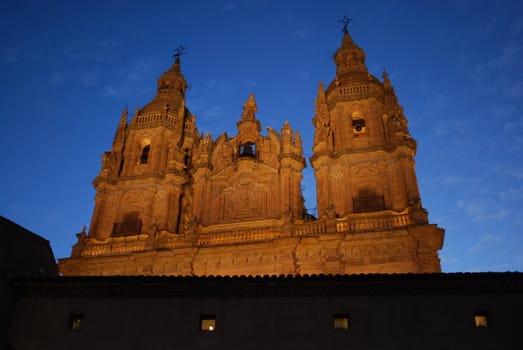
<point>70,67</point>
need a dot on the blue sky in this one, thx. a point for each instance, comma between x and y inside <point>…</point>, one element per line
<point>70,67</point>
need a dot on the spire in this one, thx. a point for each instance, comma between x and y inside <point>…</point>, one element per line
<point>386,80</point>
<point>349,58</point>
<point>119,136</point>
<point>320,107</point>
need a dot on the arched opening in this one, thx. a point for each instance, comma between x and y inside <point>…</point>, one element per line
<point>248,149</point>
<point>144,157</point>
<point>358,126</point>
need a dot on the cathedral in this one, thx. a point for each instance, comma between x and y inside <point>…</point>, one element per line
<point>172,201</point>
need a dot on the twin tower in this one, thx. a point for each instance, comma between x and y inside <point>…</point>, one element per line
<point>171,201</point>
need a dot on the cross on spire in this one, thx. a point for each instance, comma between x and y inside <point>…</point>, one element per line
<point>178,52</point>
<point>345,22</point>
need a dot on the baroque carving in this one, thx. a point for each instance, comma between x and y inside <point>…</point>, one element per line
<point>245,200</point>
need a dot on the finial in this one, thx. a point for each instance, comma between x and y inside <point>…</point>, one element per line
<point>178,52</point>
<point>125,112</point>
<point>249,108</point>
<point>386,80</point>
<point>345,22</point>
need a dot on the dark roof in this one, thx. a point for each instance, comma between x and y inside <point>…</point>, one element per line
<point>23,252</point>
<point>302,286</point>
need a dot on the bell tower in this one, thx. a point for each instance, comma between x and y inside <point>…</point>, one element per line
<point>363,155</point>
<point>141,188</point>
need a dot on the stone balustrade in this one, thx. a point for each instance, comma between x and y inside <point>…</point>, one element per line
<point>238,236</point>
<point>310,229</point>
<point>373,223</point>
<point>356,223</point>
<point>150,120</point>
<point>354,90</point>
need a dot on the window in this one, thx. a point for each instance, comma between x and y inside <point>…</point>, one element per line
<point>341,321</point>
<point>131,225</point>
<point>481,319</point>
<point>76,322</point>
<point>368,201</point>
<point>144,157</point>
<point>207,323</point>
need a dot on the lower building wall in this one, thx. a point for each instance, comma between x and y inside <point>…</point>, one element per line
<point>411,250</point>
<point>403,322</point>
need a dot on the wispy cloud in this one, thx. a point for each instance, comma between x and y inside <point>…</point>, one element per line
<point>439,101</point>
<point>486,241</point>
<point>302,74</point>
<point>302,32</point>
<point>482,209</point>
<point>445,180</point>
<point>228,6</point>
<point>125,83</point>
<point>111,90</point>
<point>516,90</point>
<point>515,193</point>
<point>509,55</point>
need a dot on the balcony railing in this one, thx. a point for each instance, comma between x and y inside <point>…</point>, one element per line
<point>355,223</point>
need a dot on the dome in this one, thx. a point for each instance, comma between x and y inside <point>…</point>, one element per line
<point>171,91</point>
<point>350,60</point>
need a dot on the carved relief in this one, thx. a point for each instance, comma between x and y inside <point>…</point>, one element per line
<point>336,173</point>
<point>362,170</point>
<point>223,154</point>
<point>323,137</point>
<point>245,200</point>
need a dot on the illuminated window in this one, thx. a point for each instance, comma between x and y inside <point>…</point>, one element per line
<point>341,321</point>
<point>208,323</point>
<point>480,319</point>
<point>76,322</point>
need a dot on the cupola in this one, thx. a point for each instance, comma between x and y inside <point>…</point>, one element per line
<point>350,61</point>
<point>170,92</point>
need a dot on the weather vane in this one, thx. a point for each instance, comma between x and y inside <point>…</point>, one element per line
<point>179,51</point>
<point>345,22</point>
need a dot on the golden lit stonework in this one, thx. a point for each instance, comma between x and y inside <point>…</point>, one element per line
<point>172,201</point>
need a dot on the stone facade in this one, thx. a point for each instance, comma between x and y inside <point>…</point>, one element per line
<point>171,201</point>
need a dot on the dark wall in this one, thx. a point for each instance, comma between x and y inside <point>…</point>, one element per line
<point>284,322</point>
<point>22,253</point>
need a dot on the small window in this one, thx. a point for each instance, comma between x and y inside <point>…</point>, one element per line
<point>144,157</point>
<point>76,322</point>
<point>341,321</point>
<point>481,320</point>
<point>208,323</point>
